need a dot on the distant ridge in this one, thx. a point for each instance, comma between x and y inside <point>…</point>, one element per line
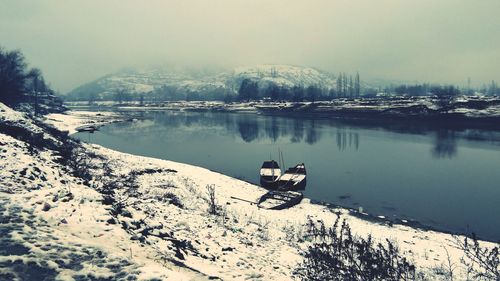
<point>200,81</point>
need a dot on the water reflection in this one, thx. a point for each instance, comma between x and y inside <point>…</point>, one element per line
<point>347,139</point>
<point>445,145</point>
<point>255,128</point>
<point>249,129</point>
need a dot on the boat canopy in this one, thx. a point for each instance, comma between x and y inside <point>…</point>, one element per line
<point>270,165</point>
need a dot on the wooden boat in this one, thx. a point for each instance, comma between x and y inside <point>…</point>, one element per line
<point>279,199</point>
<point>293,179</point>
<point>270,172</point>
<point>87,128</point>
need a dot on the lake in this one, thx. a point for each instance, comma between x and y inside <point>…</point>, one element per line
<point>446,178</point>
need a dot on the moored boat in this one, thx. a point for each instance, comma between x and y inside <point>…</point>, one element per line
<point>294,178</point>
<point>279,199</point>
<point>87,128</point>
<point>270,173</point>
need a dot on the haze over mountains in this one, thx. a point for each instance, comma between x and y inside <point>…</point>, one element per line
<point>202,81</point>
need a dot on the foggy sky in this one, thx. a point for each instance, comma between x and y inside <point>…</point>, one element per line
<point>426,40</point>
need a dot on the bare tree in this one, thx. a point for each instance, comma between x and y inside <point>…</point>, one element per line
<point>12,76</point>
<point>351,87</point>
<point>339,85</point>
<point>357,85</point>
<point>120,95</point>
<point>37,85</point>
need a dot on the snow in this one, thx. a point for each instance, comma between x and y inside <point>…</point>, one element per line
<point>70,122</point>
<point>401,107</point>
<point>261,238</point>
<point>144,81</point>
<point>17,118</point>
<point>286,75</point>
<point>84,231</point>
<point>292,177</point>
<point>270,172</point>
<point>243,242</point>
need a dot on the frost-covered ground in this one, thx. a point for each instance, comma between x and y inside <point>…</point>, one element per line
<point>57,225</point>
<point>54,227</point>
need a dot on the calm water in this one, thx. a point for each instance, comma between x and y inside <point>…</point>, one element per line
<point>445,178</point>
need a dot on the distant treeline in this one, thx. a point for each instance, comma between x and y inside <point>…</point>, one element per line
<point>246,90</point>
<point>345,87</point>
<point>351,88</point>
<point>439,90</point>
<point>251,89</point>
<point>24,87</point>
<point>160,94</point>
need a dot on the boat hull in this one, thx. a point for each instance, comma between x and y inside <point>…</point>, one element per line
<point>270,173</point>
<point>269,182</point>
<point>279,199</point>
<point>294,178</point>
<point>288,185</point>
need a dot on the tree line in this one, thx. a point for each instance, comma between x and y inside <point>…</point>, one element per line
<point>21,84</point>
<point>426,89</point>
<point>163,93</point>
<point>346,87</point>
<point>250,89</point>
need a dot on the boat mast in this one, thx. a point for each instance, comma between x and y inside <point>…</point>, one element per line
<point>281,159</point>
<point>272,168</point>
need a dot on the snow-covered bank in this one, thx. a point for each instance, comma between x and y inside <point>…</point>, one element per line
<point>165,221</point>
<point>469,108</point>
<point>76,119</point>
<point>54,226</point>
<point>282,229</point>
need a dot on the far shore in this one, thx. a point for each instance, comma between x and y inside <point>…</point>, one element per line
<point>464,112</point>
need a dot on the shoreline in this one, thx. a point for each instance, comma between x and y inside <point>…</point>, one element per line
<point>170,209</point>
<point>370,217</point>
<point>468,111</point>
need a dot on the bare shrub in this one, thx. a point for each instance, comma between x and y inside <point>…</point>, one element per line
<point>450,266</point>
<point>130,184</point>
<point>213,208</point>
<point>482,262</point>
<point>80,163</point>
<point>264,230</point>
<point>338,255</point>
<point>189,185</point>
<point>173,199</point>
<point>73,156</point>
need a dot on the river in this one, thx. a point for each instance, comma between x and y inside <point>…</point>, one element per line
<point>446,178</point>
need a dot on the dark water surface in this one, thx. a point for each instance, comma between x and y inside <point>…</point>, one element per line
<point>447,178</point>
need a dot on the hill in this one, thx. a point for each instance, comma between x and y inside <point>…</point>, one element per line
<point>204,83</point>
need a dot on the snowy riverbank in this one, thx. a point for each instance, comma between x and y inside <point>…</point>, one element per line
<point>469,110</point>
<point>77,119</point>
<point>163,228</point>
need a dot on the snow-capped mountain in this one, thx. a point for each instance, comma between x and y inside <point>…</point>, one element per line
<point>201,81</point>
<point>285,75</point>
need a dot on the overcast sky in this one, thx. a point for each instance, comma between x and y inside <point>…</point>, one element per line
<point>426,40</point>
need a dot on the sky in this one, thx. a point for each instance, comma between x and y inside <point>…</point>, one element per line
<point>440,41</point>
